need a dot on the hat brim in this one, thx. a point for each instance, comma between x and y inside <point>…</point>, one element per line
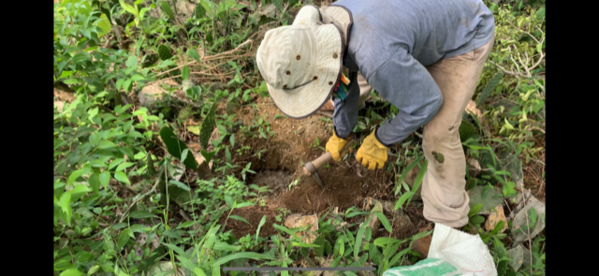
<point>307,99</point>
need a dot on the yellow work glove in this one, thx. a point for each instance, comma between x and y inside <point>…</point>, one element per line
<point>372,153</point>
<point>334,146</point>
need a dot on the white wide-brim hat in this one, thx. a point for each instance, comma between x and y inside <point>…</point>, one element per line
<point>301,63</point>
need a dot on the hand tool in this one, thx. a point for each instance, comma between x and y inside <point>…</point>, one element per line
<point>311,168</point>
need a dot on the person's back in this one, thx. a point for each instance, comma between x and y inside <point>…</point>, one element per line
<point>428,29</point>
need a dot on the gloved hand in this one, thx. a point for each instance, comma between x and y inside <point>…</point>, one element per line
<point>334,146</point>
<point>372,153</point>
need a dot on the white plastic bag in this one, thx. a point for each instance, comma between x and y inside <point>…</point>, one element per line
<point>465,252</point>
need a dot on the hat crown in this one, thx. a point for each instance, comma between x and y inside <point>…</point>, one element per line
<point>286,57</point>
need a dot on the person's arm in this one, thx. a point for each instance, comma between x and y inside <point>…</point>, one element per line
<point>345,116</point>
<point>406,84</point>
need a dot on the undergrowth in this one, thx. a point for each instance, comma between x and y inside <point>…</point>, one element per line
<point>131,198</point>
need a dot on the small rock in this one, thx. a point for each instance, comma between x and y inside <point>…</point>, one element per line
<point>185,8</point>
<point>296,221</point>
<point>473,166</point>
<point>521,219</point>
<point>402,221</point>
<point>300,130</point>
<point>495,217</point>
<point>59,105</point>
<point>150,94</point>
<point>378,207</point>
<point>516,254</point>
<point>163,266</point>
<point>472,109</point>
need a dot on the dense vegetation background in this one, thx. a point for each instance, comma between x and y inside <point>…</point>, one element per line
<point>170,158</point>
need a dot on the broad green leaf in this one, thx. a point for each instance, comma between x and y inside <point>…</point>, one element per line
<point>106,144</point>
<point>104,179</point>
<point>123,238</point>
<point>540,14</point>
<point>185,73</point>
<point>131,61</point>
<point>141,214</point>
<point>475,209</point>
<point>175,248</point>
<point>74,175</point>
<point>94,139</point>
<point>188,224</point>
<point>172,234</point>
<point>383,241</point>
<point>104,24</point>
<point>179,184</point>
<point>122,177</point>
<point>193,129</point>
<point>167,9</point>
<point>207,155</point>
<point>123,166</point>
<point>93,270</point>
<point>175,147</point>
<point>384,221</point>
<point>239,218</point>
<point>78,191</point>
<point>192,53</point>
<point>207,126</point>
<point>128,8</point>
<point>71,272</point>
<point>477,219</point>
<point>229,201</point>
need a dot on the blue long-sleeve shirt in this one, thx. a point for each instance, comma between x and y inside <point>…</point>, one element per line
<point>391,42</point>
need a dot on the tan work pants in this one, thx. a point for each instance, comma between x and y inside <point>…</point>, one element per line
<point>443,187</point>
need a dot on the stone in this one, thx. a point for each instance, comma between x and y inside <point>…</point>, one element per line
<point>59,105</point>
<point>472,109</point>
<point>402,221</point>
<point>521,218</point>
<point>297,221</point>
<point>164,266</point>
<point>474,167</point>
<point>300,130</point>
<point>516,254</point>
<point>494,218</point>
<point>374,220</point>
<point>153,92</point>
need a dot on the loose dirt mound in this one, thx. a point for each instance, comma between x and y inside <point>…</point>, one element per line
<point>296,142</point>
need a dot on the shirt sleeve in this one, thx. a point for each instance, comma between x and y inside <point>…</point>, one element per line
<point>345,115</point>
<point>406,84</point>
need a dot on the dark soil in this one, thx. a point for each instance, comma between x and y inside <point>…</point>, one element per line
<point>253,214</point>
<point>344,187</point>
<point>281,161</point>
